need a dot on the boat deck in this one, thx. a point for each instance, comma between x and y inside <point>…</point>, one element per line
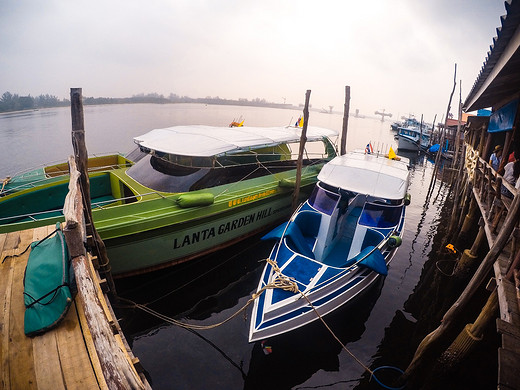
<point>61,358</point>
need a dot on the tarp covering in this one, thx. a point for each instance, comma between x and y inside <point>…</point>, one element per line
<point>47,295</point>
<point>367,174</point>
<point>503,118</point>
<point>207,141</point>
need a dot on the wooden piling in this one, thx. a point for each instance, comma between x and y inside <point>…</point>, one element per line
<point>344,131</point>
<point>81,160</point>
<point>303,140</point>
<point>434,342</point>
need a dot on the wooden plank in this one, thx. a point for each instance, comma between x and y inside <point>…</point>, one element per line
<point>21,368</point>
<point>483,211</point>
<point>6,282</point>
<point>507,300</point>
<point>89,342</point>
<point>47,364</point>
<point>504,327</point>
<point>74,354</point>
<point>510,342</point>
<point>508,363</point>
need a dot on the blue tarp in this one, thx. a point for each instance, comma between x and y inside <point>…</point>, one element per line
<point>434,148</point>
<point>503,118</point>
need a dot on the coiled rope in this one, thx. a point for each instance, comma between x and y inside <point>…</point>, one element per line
<point>283,282</point>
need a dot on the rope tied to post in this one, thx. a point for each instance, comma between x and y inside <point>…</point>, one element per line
<point>279,281</point>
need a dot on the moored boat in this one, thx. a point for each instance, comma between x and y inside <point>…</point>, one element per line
<point>413,138</point>
<point>185,191</point>
<point>338,243</point>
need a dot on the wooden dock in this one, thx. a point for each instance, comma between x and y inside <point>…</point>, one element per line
<point>62,358</point>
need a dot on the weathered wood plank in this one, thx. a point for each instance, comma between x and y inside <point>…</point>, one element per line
<point>507,299</point>
<point>510,342</point>
<point>508,369</point>
<point>504,327</point>
<point>89,342</point>
<point>6,282</point>
<point>73,353</point>
<point>21,368</point>
<point>47,365</point>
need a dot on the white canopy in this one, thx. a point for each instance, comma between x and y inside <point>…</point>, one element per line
<point>206,141</point>
<point>367,174</point>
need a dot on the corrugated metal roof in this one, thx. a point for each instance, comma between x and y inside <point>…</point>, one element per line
<point>499,78</point>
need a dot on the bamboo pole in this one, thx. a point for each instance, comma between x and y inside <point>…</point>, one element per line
<point>439,152</point>
<point>346,110</point>
<point>303,140</point>
<point>470,336</point>
<point>81,157</point>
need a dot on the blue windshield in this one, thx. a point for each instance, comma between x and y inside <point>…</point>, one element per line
<point>380,215</point>
<point>323,200</point>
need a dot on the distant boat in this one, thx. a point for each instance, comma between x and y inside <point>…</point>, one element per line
<point>337,244</point>
<point>413,135</point>
<point>237,123</point>
<point>183,192</point>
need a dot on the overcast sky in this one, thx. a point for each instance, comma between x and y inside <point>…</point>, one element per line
<point>397,55</point>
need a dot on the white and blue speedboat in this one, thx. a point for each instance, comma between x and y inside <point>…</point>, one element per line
<point>338,243</point>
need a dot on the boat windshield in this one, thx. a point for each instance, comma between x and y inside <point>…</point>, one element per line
<point>379,215</point>
<point>136,154</point>
<point>323,200</point>
<point>171,173</point>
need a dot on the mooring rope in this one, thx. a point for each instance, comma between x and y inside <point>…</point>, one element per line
<point>280,281</point>
<point>4,183</point>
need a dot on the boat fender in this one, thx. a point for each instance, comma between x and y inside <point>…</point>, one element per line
<point>394,241</point>
<point>407,199</point>
<point>287,183</point>
<point>195,200</point>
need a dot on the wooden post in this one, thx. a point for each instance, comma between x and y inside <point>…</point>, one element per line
<point>303,139</point>
<point>118,371</point>
<point>81,157</point>
<point>346,110</point>
<point>439,152</point>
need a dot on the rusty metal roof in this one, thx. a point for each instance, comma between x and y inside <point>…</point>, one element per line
<point>499,78</point>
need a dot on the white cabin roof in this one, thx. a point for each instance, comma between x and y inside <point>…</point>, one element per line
<point>369,174</point>
<point>207,141</point>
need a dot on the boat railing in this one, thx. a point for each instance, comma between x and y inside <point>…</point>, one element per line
<point>492,191</point>
<point>57,173</point>
<point>95,205</point>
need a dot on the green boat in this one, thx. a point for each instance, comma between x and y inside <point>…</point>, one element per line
<point>183,192</point>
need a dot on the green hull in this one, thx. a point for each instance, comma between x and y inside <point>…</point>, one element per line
<point>183,241</point>
<point>153,230</point>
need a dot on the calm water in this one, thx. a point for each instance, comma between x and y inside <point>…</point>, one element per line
<point>211,289</point>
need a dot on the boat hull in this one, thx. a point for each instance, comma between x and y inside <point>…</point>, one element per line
<point>179,242</point>
<point>274,321</point>
<point>332,297</point>
<point>404,143</point>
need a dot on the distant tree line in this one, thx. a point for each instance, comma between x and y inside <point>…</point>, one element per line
<point>15,102</point>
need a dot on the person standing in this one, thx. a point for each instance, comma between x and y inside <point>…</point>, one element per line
<point>496,157</point>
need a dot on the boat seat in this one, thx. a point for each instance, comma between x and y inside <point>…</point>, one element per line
<point>301,233</point>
